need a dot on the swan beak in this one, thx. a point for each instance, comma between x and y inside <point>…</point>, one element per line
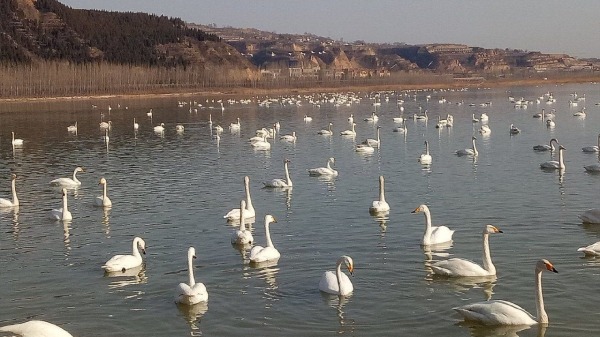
<point>351,269</point>
<point>551,268</point>
<point>417,210</point>
<point>144,251</point>
<point>193,256</point>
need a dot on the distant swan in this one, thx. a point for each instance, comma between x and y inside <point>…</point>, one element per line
<point>242,236</point>
<point>72,128</point>
<point>433,234</point>
<point>553,164</point>
<point>591,250</point>
<point>469,152</point>
<point>498,312</point>
<point>327,132</point>
<point>374,142</point>
<point>123,262</point>
<point>68,182</point>
<point>484,117</point>
<point>591,216</point>
<point>592,168</point>
<point>351,132</point>
<point>324,171</point>
<point>425,158</point>
<point>307,119</point>
<point>550,123</point>
<point>103,200</point>
<point>106,125</point>
<point>289,138</point>
<point>380,205</point>
<point>16,141</point>
<point>351,119</point>
<point>260,254</point>
<point>374,118</point>
<point>514,130</point>
<point>36,329</point>
<point>62,213</point>
<point>465,268</point>
<point>193,292</point>
<point>485,129</point>
<point>160,128</point>
<point>401,129</point>
<point>280,182</point>
<point>338,283</point>
<point>580,113</point>
<point>249,211</point>
<point>136,126</point>
<point>544,147</point>
<point>592,149</point>
<point>5,203</point>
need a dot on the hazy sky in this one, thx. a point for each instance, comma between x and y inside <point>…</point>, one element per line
<point>550,26</point>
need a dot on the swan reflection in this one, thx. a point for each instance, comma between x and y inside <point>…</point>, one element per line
<point>502,330</point>
<point>464,284</point>
<point>266,271</point>
<point>192,315</point>
<point>338,302</point>
<point>128,277</point>
<point>106,220</point>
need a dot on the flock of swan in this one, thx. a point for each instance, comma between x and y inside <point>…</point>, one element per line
<point>494,312</point>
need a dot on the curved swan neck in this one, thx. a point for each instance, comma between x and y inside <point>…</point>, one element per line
<point>287,174</point>
<point>191,269</point>
<point>14,193</point>
<point>75,177</point>
<point>539,298</point>
<point>338,275</point>
<point>487,259</point>
<point>381,190</point>
<point>474,147</point>
<point>268,234</point>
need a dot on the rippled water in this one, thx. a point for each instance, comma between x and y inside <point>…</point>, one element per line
<point>173,191</point>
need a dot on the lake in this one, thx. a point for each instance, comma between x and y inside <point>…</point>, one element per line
<point>173,189</point>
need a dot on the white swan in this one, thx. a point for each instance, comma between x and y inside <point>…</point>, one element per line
<point>469,152</point>
<point>338,283</point>
<point>553,164</point>
<point>324,171</point>
<point>123,262</point>
<point>280,182</point>
<point>289,138</point>
<point>242,236</point>
<point>592,149</point>
<point>351,132</point>
<point>461,267</point>
<point>433,234</point>
<point>544,147</point>
<point>16,141</point>
<point>160,128</point>
<point>260,254</point>
<point>380,205</point>
<point>192,293</point>
<point>514,130</point>
<point>307,119</point>
<point>69,182</point>
<point>422,117</point>
<point>149,113</point>
<point>401,129</point>
<point>590,216</point>
<point>249,211</point>
<point>106,125</point>
<point>374,118</point>
<point>398,119</point>
<point>485,129</point>
<point>103,200</point>
<point>580,113</point>
<point>235,126</point>
<point>500,312</point>
<point>179,128</point>
<point>36,329</point>
<point>425,158</point>
<point>351,119</point>
<point>373,142</point>
<point>473,119</point>
<point>364,148</point>
<point>550,123</point>
<point>5,203</point>
<point>262,145</point>
<point>591,250</point>
<point>327,132</point>
<point>218,129</point>
<point>72,128</point>
<point>484,117</point>
<point>62,213</point>
<point>136,126</point>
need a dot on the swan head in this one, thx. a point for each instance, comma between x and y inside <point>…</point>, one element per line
<point>286,161</point>
<point>64,192</point>
<point>142,244</point>
<point>347,260</point>
<point>332,160</point>
<point>79,169</point>
<point>102,181</point>
<point>491,229</point>
<point>560,147</point>
<point>246,180</point>
<point>13,176</point>
<point>421,208</point>
<point>191,252</point>
<point>544,264</point>
<point>270,219</point>
<point>473,138</point>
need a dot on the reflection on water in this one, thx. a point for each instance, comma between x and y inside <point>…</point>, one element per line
<point>464,284</point>
<point>132,276</point>
<point>193,316</point>
<point>338,303</point>
<point>503,331</point>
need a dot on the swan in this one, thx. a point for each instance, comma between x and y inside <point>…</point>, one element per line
<point>149,113</point>
<point>16,141</point>
<point>580,113</point>
<point>260,254</point>
<point>592,168</point>
<point>136,126</point>
<point>514,130</point>
<point>433,234</point>
<point>5,203</point>
<point>62,213</point>
<point>485,129</point>
<point>124,262</point>
<point>550,114</point>
<point>327,132</point>
<point>498,312</point>
<point>235,126</point>
<point>422,117</point>
<point>218,129</point>
<point>550,123</point>
<point>307,119</point>
<point>106,125</point>
<point>324,171</point>
<point>249,211</point>
<point>338,283</point>
<point>425,158</point>
<point>69,182</point>
<point>591,216</point>
<point>592,149</point>
<point>192,293</point>
<point>364,148</point>
<point>539,114</point>
<point>351,132</point>
<point>473,119</point>
<point>36,329</point>
<point>553,164</point>
<point>398,119</point>
<point>242,236</point>
<point>103,200</point>
<point>373,142</point>
<point>441,123</point>
<point>280,182</point>
<point>591,250</point>
<point>351,119</point>
<point>380,205</point>
<point>72,128</point>
<point>469,152</point>
<point>484,117</point>
<point>179,128</point>
<point>160,128</point>
<point>261,144</point>
<point>289,138</point>
<point>401,129</point>
<point>374,118</point>
<point>461,267</point>
<point>544,147</point>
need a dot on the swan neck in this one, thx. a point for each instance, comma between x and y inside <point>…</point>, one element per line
<point>561,162</point>
<point>268,235</point>
<point>248,199</point>
<point>381,191</point>
<point>65,209</point>
<point>378,139</point>
<point>287,174</point>
<point>426,148</point>
<point>191,270</point>
<point>103,191</point>
<point>338,276</point>
<point>539,298</point>
<point>135,250</point>
<point>427,236</point>
<point>75,177</point>
<point>487,259</point>
<point>474,147</point>
<point>14,193</point>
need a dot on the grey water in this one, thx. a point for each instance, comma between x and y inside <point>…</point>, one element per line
<point>173,190</point>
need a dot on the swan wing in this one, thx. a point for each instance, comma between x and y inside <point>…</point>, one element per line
<point>276,183</point>
<point>593,249</point>
<point>550,164</point>
<point>5,203</point>
<point>496,312</point>
<point>37,329</point>
<point>441,234</point>
<point>320,171</point>
<point>121,262</point>
<point>591,216</point>
<point>328,283</point>
<point>56,214</point>
<point>64,182</point>
<point>264,254</point>
<point>458,267</point>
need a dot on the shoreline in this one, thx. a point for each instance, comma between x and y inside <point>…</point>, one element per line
<point>243,91</point>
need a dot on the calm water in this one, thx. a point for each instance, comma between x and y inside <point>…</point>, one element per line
<point>173,191</point>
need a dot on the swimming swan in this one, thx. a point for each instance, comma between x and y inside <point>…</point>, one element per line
<point>159,128</point>
<point>324,171</point>
<point>373,142</point>
<point>36,329</point>
<point>514,130</point>
<point>425,158</point>
<point>498,312</point>
<point>5,203</point>
<point>338,283</point>
<point>544,147</point>
<point>62,213</point>
<point>260,254</point>
<point>592,149</point>
<point>591,250</point>
<point>461,267</point>
<point>433,234</point>
<point>327,132</point>
<point>553,164</point>
<point>591,216</point>
<point>242,236</point>
<point>280,182</point>
<point>69,182</point>
<point>123,262</point>
<point>469,152</point>
<point>380,205</point>
<point>16,141</point>
<point>249,211</point>
<point>103,200</point>
<point>72,128</point>
<point>193,292</point>
<point>289,138</point>
<point>351,132</point>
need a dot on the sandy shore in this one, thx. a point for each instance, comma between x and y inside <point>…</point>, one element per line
<point>242,91</point>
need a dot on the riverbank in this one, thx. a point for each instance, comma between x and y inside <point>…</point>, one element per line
<point>247,92</point>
